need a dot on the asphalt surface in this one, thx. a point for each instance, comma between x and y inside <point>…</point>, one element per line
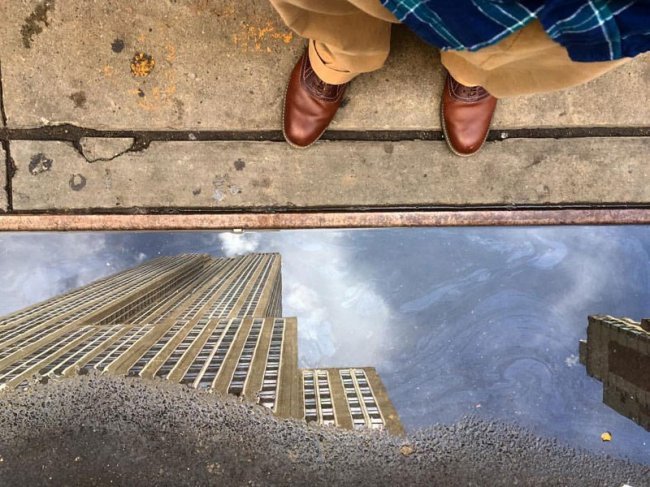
<point>99,430</point>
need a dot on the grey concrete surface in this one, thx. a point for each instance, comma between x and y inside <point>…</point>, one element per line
<point>109,430</point>
<point>234,175</point>
<point>223,65</point>
<point>3,181</point>
<point>104,149</point>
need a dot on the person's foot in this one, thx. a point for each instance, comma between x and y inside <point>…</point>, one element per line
<point>309,105</point>
<point>466,116</point>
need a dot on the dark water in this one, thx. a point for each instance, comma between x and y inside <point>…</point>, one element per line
<point>482,321</point>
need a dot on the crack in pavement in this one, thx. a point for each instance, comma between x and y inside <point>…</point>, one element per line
<point>3,114</point>
<point>10,171</point>
<point>138,145</point>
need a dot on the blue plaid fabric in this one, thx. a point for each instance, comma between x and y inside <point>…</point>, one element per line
<point>591,30</point>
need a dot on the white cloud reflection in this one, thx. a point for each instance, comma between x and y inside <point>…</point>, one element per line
<point>35,269</point>
<point>341,317</point>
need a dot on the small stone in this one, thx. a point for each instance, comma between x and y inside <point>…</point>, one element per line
<point>406,450</point>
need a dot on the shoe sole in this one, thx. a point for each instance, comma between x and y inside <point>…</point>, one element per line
<point>447,140</point>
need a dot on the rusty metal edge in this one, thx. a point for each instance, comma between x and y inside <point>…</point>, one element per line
<point>276,221</point>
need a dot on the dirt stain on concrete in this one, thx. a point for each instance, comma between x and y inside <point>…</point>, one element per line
<point>77,182</point>
<point>265,182</point>
<point>36,22</point>
<point>117,46</point>
<point>79,99</point>
<point>179,108</point>
<point>39,163</point>
<point>240,164</point>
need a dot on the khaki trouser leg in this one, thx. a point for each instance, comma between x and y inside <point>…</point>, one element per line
<point>346,37</point>
<point>524,63</point>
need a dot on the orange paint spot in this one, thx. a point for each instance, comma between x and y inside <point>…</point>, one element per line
<point>286,38</point>
<point>170,53</point>
<point>142,65</point>
<point>259,38</point>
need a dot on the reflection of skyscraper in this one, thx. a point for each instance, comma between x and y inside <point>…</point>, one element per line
<point>352,398</point>
<point>209,323</point>
<point>617,352</point>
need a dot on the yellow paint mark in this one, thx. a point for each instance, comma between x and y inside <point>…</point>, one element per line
<point>142,38</point>
<point>259,38</point>
<point>606,436</point>
<point>286,38</point>
<point>142,65</point>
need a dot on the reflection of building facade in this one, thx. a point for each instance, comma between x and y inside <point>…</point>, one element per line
<point>351,398</point>
<point>209,323</point>
<point>617,352</point>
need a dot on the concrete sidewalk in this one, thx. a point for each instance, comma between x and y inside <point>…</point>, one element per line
<point>200,131</point>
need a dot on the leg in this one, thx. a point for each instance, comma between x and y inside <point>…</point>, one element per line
<point>346,38</point>
<point>524,63</point>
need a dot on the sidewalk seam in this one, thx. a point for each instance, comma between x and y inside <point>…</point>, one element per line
<point>143,138</point>
<point>3,115</point>
<point>10,170</point>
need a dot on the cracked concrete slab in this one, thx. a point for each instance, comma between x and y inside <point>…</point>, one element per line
<point>3,181</point>
<point>222,65</point>
<point>104,148</point>
<point>239,175</point>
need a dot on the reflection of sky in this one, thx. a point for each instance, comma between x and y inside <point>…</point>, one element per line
<point>457,321</point>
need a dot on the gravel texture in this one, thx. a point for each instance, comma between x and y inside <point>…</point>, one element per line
<point>98,430</point>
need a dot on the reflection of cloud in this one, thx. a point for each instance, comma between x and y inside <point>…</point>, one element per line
<point>36,267</point>
<point>572,360</point>
<point>592,263</point>
<point>342,320</point>
<point>234,244</point>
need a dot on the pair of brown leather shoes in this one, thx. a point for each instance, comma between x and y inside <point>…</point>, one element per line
<point>310,105</point>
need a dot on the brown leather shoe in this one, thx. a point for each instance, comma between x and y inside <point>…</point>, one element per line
<point>466,116</point>
<point>309,105</point>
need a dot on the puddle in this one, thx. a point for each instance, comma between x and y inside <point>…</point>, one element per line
<point>482,323</point>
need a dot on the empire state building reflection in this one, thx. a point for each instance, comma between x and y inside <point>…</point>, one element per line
<point>210,323</point>
<point>617,352</point>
